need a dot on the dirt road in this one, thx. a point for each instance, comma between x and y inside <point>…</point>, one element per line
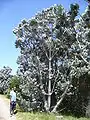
<point>4,109</point>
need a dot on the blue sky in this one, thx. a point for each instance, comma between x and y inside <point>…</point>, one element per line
<point>11,13</point>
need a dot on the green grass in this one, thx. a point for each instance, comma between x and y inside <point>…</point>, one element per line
<point>74,118</point>
<point>43,116</point>
<point>34,116</point>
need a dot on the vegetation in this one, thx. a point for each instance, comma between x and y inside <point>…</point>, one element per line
<point>44,116</point>
<point>5,78</point>
<point>54,64</point>
<point>35,116</point>
<point>40,115</point>
<point>13,83</point>
<point>55,53</point>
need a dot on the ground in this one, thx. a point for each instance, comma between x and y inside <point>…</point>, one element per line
<point>4,109</point>
<point>5,115</point>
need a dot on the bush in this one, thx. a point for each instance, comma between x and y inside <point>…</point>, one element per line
<point>8,93</point>
<point>14,82</point>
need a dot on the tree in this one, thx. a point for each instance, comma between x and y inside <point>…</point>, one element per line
<point>54,50</point>
<point>5,78</point>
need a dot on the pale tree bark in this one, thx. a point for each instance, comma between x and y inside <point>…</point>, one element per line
<point>62,97</point>
<point>47,103</point>
<point>49,83</point>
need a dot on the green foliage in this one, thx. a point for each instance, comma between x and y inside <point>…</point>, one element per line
<point>8,93</point>
<point>60,10</point>
<point>33,22</point>
<point>14,82</point>
<point>17,43</point>
<point>74,10</point>
<point>18,108</point>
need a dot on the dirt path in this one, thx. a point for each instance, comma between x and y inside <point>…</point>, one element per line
<point>4,109</point>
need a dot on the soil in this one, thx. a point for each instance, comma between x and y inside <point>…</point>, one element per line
<point>5,109</point>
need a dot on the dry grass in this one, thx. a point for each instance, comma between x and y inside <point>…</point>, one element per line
<point>34,116</point>
<point>44,116</point>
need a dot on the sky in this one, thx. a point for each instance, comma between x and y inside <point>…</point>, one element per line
<point>11,14</point>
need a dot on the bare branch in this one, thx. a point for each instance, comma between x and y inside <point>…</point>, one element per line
<point>84,59</point>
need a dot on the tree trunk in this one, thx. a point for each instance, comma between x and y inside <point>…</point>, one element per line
<point>49,83</point>
<point>62,97</point>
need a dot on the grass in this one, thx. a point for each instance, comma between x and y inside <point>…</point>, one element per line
<point>34,116</point>
<point>74,118</point>
<point>44,116</point>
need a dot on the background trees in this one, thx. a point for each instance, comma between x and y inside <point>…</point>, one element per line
<point>5,78</point>
<point>55,51</point>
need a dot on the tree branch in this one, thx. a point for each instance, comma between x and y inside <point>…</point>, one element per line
<point>62,97</point>
<point>42,89</point>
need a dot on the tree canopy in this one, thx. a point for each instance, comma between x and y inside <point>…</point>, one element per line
<point>55,49</point>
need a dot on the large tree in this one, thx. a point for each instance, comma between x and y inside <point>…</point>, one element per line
<point>55,49</point>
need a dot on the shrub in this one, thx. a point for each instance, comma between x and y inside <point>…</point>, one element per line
<point>14,82</point>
